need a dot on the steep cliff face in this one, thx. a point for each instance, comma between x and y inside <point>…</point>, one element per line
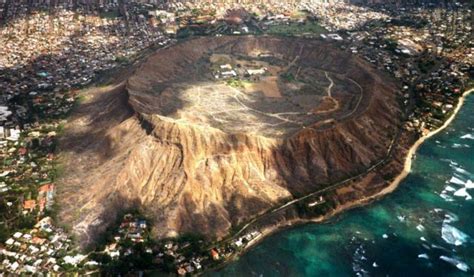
<point>128,146</point>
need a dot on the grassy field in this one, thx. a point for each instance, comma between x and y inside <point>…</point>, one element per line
<point>237,83</point>
<point>294,28</point>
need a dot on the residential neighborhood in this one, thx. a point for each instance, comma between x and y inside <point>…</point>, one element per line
<point>47,58</point>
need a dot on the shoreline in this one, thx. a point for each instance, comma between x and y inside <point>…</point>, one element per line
<point>412,151</point>
<point>407,165</point>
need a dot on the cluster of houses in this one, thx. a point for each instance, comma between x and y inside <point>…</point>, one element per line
<point>221,8</point>
<point>225,71</point>
<point>438,92</point>
<point>340,15</point>
<point>131,229</point>
<point>43,201</point>
<point>180,255</point>
<point>47,56</point>
<point>215,256</point>
<point>231,17</point>
<point>246,239</point>
<point>433,60</point>
<point>27,190</point>
<point>42,249</point>
<point>44,58</point>
<point>26,175</point>
<point>429,59</point>
<point>190,266</point>
<point>58,52</point>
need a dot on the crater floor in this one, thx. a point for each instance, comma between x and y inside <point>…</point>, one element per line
<point>248,85</point>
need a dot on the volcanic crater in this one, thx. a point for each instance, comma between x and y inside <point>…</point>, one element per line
<point>211,132</point>
<point>294,90</point>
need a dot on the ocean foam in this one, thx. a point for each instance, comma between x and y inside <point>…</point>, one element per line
<point>456,180</point>
<point>463,193</point>
<point>423,256</point>
<point>450,217</point>
<point>458,145</point>
<point>420,227</point>
<point>468,136</point>
<point>357,259</point>
<point>449,188</point>
<point>438,247</point>
<point>446,197</point>
<point>452,235</point>
<point>457,263</point>
<point>462,171</point>
<point>469,184</point>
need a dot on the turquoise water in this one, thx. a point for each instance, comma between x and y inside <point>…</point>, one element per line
<point>424,228</point>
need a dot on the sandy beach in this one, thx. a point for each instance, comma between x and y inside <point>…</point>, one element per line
<point>408,159</point>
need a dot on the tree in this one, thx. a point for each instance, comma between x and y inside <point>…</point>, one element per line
<point>27,222</point>
<point>101,258</point>
<point>4,233</point>
<point>6,8</point>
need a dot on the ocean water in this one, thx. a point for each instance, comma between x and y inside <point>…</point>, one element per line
<point>424,228</point>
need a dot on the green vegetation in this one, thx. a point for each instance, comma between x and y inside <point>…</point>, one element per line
<point>110,14</point>
<point>315,211</point>
<point>426,65</point>
<point>288,77</point>
<point>235,83</point>
<point>438,114</point>
<point>293,28</point>
<point>140,259</point>
<point>470,83</point>
<point>196,243</point>
<point>5,232</point>
<point>111,231</point>
<point>391,44</point>
<point>26,222</point>
<point>122,60</point>
<point>417,23</point>
<point>186,32</point>
<point>196,12</point>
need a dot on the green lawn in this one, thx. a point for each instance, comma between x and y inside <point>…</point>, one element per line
<point>296,29</point>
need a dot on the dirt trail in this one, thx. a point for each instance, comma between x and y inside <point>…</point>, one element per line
<point>330,85</point>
